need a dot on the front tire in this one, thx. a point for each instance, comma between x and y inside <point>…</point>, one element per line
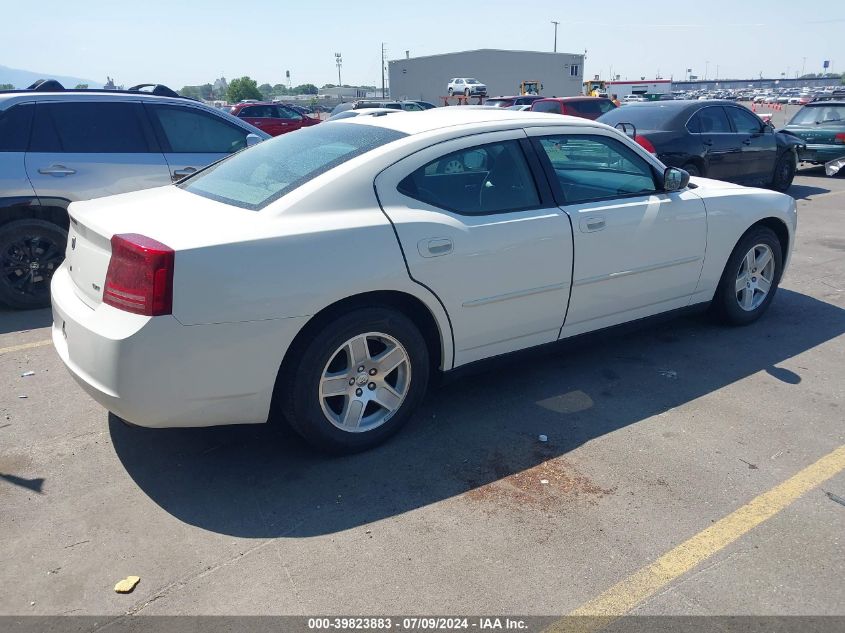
<point>451,92</point>
<point>466,92</point>
<point>750,279</point>
<point>358,382</point>
<point>784,172</point>
<point>30,252</point>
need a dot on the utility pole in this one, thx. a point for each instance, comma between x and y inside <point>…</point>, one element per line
<point>382,70</point>
<point>803,64</point>
<point>338,59</point>
<point>555,22</point>
<point>706,69</point>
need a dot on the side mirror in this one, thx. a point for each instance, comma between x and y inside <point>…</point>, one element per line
<point>675,179</point>
<point>628,129</point>
<point>253,139</point>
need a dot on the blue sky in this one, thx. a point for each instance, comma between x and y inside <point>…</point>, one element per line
<point>192,42</point>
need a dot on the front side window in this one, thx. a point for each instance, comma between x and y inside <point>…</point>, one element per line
<point>745,122</point>
<point>98,127</point>
<point>592,167</point>
<point>712,120</point>
<point>271,169</point>
<point>190,131</point>
<point>479,180</point>
<point>259,112</point>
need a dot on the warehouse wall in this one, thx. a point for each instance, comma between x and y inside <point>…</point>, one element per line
<point>425,78</point>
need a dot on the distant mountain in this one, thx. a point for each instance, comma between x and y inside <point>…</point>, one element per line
<point>23,78</point>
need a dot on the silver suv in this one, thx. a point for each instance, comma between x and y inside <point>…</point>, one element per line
<point>58,146</point>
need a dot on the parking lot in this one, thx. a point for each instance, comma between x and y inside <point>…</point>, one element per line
<point>653,437</point>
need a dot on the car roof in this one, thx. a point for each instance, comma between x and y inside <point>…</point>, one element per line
<point>823,102</point>
<point>440,118</point>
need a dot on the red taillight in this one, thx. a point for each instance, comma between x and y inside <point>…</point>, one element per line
<point>645,143</point>
<point>140,275</point>
<point>839,138</point>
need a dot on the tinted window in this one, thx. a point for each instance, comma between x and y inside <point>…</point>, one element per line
<point>15,125</point>
<point>546,106</point>
<point>273,168</point>
<point>259,112</point>
<point>744,122</point>
<point>189,131</point>
<point>288,113</point>
<point>596,167</point>
<point>657,116</point>
<point>483,179</point>
<point>89,127</point>
<point>712,120</point>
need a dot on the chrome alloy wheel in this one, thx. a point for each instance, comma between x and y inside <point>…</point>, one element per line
<point>365,382</point>
<point>755,277</point>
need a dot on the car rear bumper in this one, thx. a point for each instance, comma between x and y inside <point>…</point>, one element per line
<point>156,372</point>
<point>820,153</point>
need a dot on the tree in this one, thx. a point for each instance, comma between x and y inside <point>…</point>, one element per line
<point>306,89</point>
<point>328,86</point>
<point>81,87</point>
<point>243,88</point>
<point>279,90</point>
<point>7,86</point>
<point>266,91</point>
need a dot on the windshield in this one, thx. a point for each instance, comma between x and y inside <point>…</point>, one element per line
<point>499,103</point>
<point>819,114</point>
<point>254,178</point>
<point>472,81</point>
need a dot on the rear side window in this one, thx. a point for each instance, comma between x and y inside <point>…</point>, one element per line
<point>479,180</point>
<point>191,131</point>
<point>15,125</point>
<point>712,120</point>
<point>95,127</point>
<point>259,112</point>
<point>546,106</point>
<point>268,171</point>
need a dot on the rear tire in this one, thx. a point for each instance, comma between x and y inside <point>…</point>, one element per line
<point>30,252</point>
<point>750,279</point>
<point>341,410</point>
<point>451,92</point>
<point>692,169</point>
<point>784,172</point>
<point>466,92</point>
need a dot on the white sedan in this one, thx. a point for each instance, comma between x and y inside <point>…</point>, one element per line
<point>324,276</point>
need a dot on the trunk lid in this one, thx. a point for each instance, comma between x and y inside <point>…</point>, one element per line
<point>174,217</point>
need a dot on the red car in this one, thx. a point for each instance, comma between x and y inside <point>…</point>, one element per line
<point>584,107</point>
<point>273,118</point>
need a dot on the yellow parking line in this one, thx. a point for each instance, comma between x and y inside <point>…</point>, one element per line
<point>18,348</point>
<point>644,583</point>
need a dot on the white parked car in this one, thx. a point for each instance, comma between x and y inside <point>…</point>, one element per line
<point>633,99</point>
<point>466,86</point>
<point>324,276</point>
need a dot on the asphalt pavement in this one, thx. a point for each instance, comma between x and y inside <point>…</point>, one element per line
<point>703,452</point>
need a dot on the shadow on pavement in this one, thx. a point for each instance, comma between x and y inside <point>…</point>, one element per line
<point>21,320</point>
<point>804,192</point>
<point>253,481</point>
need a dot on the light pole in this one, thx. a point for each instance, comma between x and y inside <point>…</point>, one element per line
<point>555,22</point>
<point>338,59</point>
<point>803,64</point>
<point>706,68</point>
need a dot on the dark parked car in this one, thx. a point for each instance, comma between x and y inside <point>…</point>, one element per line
<point>821,125</point>
<point>584,107</point>
<point>716,139</point>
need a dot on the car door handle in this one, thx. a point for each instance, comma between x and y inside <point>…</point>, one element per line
<point>56,170</point>
<point>594,223</point>
<point>183,173</point>
<point>435,246</point>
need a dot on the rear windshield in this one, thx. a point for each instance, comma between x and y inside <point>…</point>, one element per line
<point>256,177</point>
<point>645,117</point>
<point>546,106</point>
<point>821,113</point>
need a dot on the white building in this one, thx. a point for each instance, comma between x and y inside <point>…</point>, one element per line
<point>425,78</point>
